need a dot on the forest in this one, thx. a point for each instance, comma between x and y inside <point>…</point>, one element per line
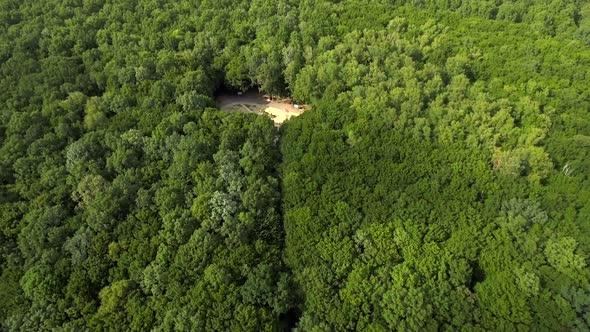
<point>439,181</point>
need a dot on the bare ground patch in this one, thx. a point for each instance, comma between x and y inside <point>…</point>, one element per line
<point>279,110</point>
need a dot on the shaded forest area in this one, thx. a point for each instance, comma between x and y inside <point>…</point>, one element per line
<point>441,180</point>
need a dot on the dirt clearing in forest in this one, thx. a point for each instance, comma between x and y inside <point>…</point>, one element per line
<point>280,110</point>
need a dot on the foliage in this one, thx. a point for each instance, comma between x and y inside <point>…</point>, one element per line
<point>439,182</point>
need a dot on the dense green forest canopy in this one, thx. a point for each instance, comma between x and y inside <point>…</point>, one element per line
<point>440,181</point>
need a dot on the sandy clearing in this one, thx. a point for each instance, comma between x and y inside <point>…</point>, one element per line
<point>278,115</point>
<point>279,111</point>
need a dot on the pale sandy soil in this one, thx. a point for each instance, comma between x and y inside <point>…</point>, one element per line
<point>279,111</point>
